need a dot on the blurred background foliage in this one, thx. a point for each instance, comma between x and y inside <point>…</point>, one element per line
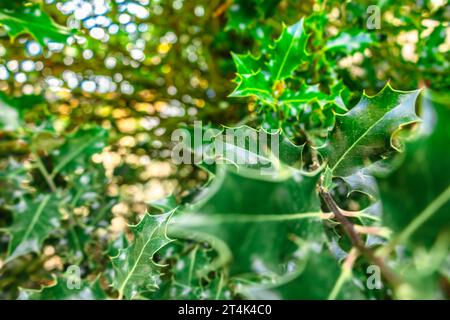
<point>140,69</point>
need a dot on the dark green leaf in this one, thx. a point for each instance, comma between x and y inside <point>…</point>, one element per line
<point>34,220</point>
<point>364,134</point>
<point>416,197</point>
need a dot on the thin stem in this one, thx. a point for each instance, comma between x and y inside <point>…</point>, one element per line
<point>222,9</point>
<point>44,172</point>
<point>315,159</point>
<point>426,214</point>
<point>357,242</point>
<point>220,286</point>
<point>315,162</point>
<point>346,273</point>
<point>192,265</point>
<point>420,219</point>
<point>376,231</point>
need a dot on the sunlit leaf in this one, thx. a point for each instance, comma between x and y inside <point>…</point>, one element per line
<point>134,269</point>
<point>32,20</point>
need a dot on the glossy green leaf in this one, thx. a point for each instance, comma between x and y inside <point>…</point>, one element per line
<point>243,15</point>
<point>314,279</point>
<point>241,146</point>
<point>259,77</point>
<point>255,84</point>
<point>246,63</point>
<point>34,220</point>
<point>363,135</point>
<point>32,20</point>
<point>291,208</point>
<point>416,197</point>
<point>134,268</point>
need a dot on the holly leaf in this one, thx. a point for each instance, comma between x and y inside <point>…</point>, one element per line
<point>250,79</point>
<point>256,84</point>
<point>288,52</point>
<point>244,14</point>
<point>63,289</point>
<point>240,16</point>
<point>297,99</point>
<point>32,20</point>
<point>78,149</point>
<point>186,265</point>
<point>246,63</point>
<point>241,146</point>
<point>135,271</point>
<point>416,196</point>
<point>364,134</point>
<point>250,214</point>
<point>165,204</point>
<point>12,110</point>
<point>350,41</point>
<point>314,279</point>
<point>34,220</point>
<point>362,181</point>
<point>257,76</point>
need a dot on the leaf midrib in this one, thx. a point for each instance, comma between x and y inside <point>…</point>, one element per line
<point>255,89</point>
<point>72,156</point>
<point>260,218</point>
<point>36,217</point>
<point>30,22</point>
<point>127,278</point>
<point>357,140</point>
<point>242,218</point>
<point>288,51</point>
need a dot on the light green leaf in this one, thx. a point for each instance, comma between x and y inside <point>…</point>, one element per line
<point>32,20</point>
<point>288,52</point>
<point>257,79</point>
<point>63,290</point>
<point>135,271</point>
<point>350,41</point>
<point>255,84</point>
<point>311,93</point>
<point>246,63</point>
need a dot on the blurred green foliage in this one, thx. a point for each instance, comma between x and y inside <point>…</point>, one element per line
<point>91,91</point>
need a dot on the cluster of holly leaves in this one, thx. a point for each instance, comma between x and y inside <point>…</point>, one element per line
<point>352,187</point>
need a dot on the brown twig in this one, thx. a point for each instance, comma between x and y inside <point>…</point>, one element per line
<point>222,8</point>
<point>357,242</point>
